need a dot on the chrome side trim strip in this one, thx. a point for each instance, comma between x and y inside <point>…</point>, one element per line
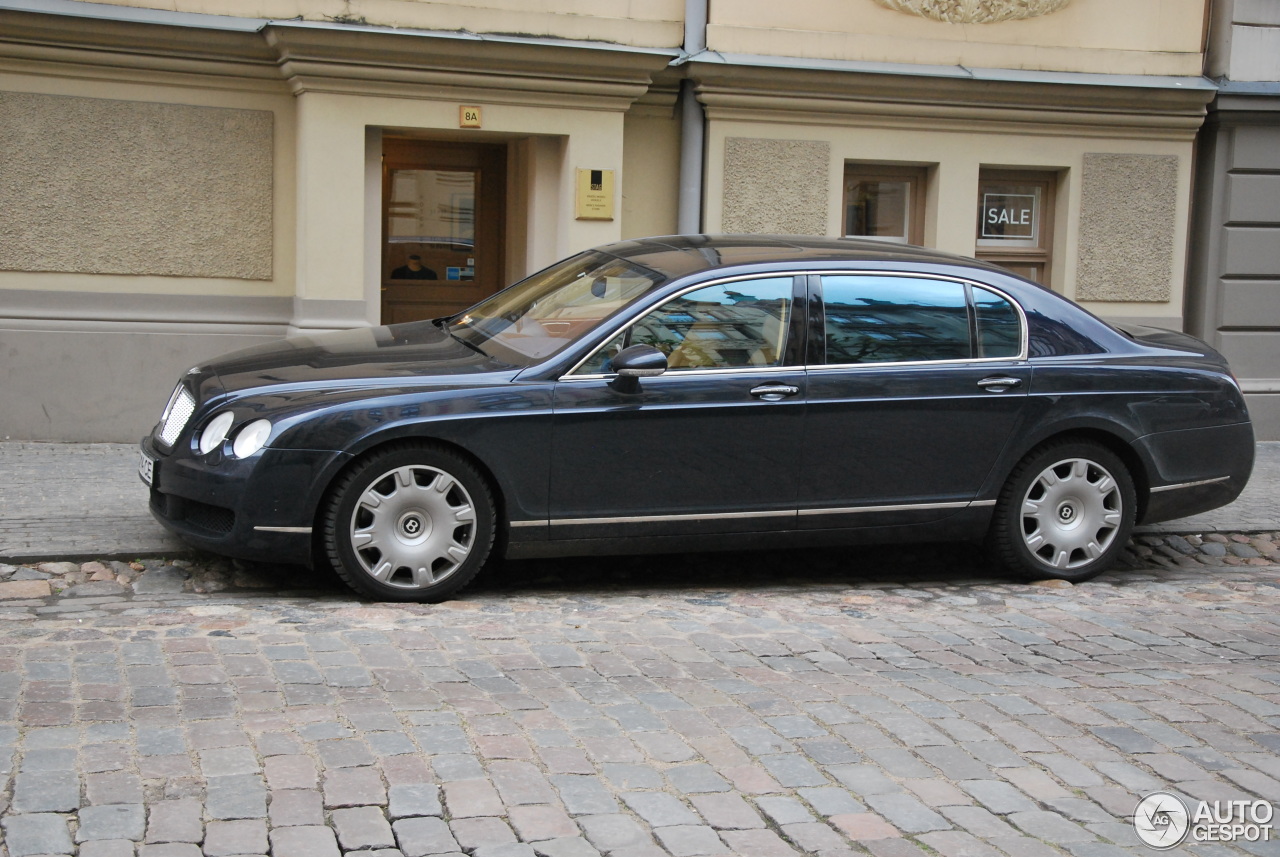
<point>282,529</point>
<point>850,510</point>
<point>1189,484</point>
<point>913,507</point>
<point>645,519</point>
<point>686,373</point>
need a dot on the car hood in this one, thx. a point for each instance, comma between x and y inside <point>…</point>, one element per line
<point>374,355</point>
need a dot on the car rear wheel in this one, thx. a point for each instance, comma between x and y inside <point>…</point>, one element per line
<point>409,523</point>
<point>1065,512</point>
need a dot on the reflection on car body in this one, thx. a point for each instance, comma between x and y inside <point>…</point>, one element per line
<point>704,392</point>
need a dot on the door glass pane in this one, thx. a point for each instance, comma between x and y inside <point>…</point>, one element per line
<point>999,330</point>
<point>894,320</point>
<point>742,323</point>
<point>431,216</point>
<point>876,208</point>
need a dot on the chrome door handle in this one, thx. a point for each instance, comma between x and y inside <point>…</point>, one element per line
<point>774,392</point>
<point>999,384</point>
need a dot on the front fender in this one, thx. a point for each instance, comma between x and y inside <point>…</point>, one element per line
<point>506,429</point>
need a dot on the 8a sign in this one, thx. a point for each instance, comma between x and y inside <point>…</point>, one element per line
<point>1009,215</point>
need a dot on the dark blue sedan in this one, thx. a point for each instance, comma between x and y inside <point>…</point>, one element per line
<point>703,392</point>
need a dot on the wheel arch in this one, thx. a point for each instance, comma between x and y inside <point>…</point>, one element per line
<point>396,442</point>
<point>1112,441</point>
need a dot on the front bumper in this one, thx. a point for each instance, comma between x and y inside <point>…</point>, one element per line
<point>260,508</point>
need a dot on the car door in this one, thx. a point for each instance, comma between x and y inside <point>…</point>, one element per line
<point>710,445</point>
<point>916,384</point>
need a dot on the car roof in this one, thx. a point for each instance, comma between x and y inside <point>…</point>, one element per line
<point>680,255</point>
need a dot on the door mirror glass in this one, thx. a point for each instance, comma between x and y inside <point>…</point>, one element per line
<point>639,361</point>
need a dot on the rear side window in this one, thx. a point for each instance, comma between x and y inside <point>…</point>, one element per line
<point>871,319</point>
<point>999,330</point>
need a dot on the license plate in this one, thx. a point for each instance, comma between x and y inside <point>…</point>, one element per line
<point>147,468</point>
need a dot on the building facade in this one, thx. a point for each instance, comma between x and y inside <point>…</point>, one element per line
<point>1235,261</point>
<point>176,184</point>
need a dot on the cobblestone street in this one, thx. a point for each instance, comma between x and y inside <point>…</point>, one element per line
<point>766,704</point>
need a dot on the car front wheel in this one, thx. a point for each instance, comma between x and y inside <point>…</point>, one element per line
<point>409,523</point>
<point>1065,512</point>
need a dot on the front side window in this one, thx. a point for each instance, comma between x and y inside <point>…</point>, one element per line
<point>729,325</point>
<point>873,319</point>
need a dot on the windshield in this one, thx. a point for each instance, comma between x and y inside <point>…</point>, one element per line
<point>544,313</point>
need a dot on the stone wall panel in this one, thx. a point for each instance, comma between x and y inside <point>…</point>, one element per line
<point>775,186</point>
<point>1128,219</point>
<point>97,186</point>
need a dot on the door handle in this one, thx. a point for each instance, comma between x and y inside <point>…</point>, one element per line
<point>999,385</point>
<point>774,392</point>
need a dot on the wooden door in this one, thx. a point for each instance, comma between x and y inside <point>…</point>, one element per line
<point>443,226</point>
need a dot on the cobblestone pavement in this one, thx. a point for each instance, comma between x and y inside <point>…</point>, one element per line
<point>76,500</point>
<point>900,705</point>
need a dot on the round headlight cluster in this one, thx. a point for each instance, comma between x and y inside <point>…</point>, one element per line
<point>252,438</point>
<point>249,439</point>
<point>216,432</point>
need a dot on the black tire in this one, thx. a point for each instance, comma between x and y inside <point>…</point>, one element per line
<point>409,523</point>
<point>1065,512</point>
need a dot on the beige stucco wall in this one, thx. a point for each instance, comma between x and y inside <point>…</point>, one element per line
<point>954,159</point>
<point>651,23</point>
<point>1102,36</point>
<point>140,183</point>
<point>333,258</point>
<point>650,171</point>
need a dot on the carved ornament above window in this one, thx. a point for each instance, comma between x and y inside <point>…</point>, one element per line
<point>975,11</point>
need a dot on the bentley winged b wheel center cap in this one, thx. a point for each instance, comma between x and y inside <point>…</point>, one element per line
<point>414,526</point>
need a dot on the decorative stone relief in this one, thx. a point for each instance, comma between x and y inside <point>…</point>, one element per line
<point>1128,219</point>
<point>776,187</point>
<point>975,11</point>
<point>98,186</point>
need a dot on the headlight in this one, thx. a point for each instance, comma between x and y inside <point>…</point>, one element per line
<point>252,438</point>
<point>216,432</point>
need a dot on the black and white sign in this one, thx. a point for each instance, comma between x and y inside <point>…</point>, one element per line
<point>1009,215</point>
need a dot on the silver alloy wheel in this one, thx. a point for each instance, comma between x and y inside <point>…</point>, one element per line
<point>1071,513</point>
<point>413,527</point>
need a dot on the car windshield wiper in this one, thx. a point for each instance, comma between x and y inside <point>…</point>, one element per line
<point>471,345</point>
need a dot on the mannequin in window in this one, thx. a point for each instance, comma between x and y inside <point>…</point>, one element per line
<point>414,270</point>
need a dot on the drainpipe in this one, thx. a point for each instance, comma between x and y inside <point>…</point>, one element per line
<point>692,125</point>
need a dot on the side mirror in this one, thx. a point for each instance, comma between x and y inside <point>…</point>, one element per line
<point>639,361</point>
<point>634,363</point>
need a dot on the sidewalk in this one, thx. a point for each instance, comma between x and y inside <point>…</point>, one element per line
<point>79,501</point>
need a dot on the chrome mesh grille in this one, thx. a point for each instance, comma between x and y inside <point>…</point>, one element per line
<point>180,408</point>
